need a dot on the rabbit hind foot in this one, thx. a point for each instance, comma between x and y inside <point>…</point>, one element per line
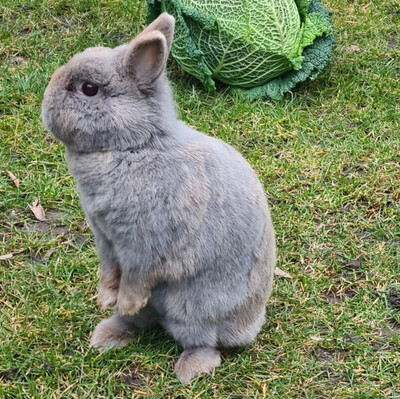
<point>110,333</point>
<point>197,361</point>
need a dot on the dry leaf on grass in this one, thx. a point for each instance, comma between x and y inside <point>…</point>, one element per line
<point>6,256</point>
<point>13,178</point>
<point>48,254</point>
<point>353,49</point>
<point>17,59</point>
<point>37,210</point>
<point>281,273</point>
<point>315,338</point>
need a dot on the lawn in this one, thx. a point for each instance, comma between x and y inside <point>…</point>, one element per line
<point>328,156</point>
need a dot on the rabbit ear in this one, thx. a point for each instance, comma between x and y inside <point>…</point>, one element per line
<point>147,54</point>
<point>165,24</point>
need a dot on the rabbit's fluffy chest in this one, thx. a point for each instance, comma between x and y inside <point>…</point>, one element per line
<point>109,180</point>
<point>141,198</point>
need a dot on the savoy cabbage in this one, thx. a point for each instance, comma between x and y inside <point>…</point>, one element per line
<point>263,47</point>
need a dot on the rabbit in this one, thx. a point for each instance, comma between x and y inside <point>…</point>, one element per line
<point>180,220</point>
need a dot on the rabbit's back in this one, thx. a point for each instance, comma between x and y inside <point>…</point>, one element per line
<point>234,273</point>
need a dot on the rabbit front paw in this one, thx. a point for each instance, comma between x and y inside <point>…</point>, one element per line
<point>129,303</point>
<point>107,297</point>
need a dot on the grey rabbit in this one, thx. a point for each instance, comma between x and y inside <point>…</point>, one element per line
<point>180,220</point>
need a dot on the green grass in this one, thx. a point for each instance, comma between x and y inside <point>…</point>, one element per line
<point>328,156</point>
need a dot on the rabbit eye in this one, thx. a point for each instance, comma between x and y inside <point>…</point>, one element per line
<point>89,89</point>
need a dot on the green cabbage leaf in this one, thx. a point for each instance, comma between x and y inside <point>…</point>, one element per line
<point>261,47</point>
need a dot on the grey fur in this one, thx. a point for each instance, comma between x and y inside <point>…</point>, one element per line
<point>180,219</point>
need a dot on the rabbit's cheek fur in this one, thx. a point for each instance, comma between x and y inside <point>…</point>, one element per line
<point>63,116</point>
<point>51,116</point>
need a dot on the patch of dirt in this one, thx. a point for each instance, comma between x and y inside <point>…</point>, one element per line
<point>351,269</point>
<point>82,240</point>
<point>48,367</point>
<point>381,347</point>
<point>25,31</point>
<point>53,225</point>
<point>35,257</point>
<point>394,299</point>
<point>351,338</point>
<point>324,355</point>
<point>45,227</point>
<point>12,375</point>
<point>329,374</point>
<point>393,11</point>
<point>132,377</point>
<point>354,264</point>
<point>337,295</point>
<point>55,214</point>
<point>26,8</point>
<point>354,170</point>
<point>57,224</point>
<point>8,375</point>
<point>375,293</point>
<point>394,324</point>
<point>393,243</point>
<point>392,44</point>
<point>353,124</point>
<point>387,332</point>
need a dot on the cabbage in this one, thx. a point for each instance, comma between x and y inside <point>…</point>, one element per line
<point>259,45</point>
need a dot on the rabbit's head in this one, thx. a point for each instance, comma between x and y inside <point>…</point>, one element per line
<point>105,99</point>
